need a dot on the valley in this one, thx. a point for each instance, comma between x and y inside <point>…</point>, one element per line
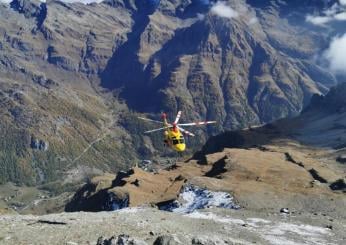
<point>77,168</point>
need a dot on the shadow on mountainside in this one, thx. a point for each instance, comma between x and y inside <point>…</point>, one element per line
<point>322,125</point>
<point>126,73</point>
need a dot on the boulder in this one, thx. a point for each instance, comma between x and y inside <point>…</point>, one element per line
<point>38,144</point>
<point>339,185</point>
<point>203,241</point>
<point>341,159</point>
<point>166,240</point>
<point>120,240</point>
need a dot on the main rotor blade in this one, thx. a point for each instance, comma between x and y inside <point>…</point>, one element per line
<point>197,123</point>
<point>150,120</point>
<point>177,118</point>
<point>185,131</point>
<point>159,129</point>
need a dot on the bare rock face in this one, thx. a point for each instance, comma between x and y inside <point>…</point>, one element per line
<point>29,8</point>
<point>216,67</point>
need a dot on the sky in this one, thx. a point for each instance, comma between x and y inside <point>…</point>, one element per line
<point>334,13</point>
<point>335,54</point>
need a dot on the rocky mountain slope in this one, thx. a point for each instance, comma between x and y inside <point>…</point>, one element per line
<point>294,163</point>
<point>288,189</point>
<point>73,77</point>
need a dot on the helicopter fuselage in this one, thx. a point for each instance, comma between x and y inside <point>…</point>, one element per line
<point>173,132</point>
<point>175,139</point>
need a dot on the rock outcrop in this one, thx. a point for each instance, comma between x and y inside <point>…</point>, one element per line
<point>120,240</point>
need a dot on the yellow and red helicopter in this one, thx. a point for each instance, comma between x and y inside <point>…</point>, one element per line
<point>173,132</point>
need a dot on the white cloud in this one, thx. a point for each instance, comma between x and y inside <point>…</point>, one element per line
<point>318,20</point>
<point>238,10</point>
<point>200,16</point>
<point>222,10</point>
<point>335,13</point>
<point>341,16</point>
<point>336,55</point>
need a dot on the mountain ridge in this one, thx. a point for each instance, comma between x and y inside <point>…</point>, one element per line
<point>292,161</point>
<point>72,73</point>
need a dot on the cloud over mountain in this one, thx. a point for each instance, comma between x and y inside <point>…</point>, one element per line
<point>223,10</point>
<point>336,54</point>
<point>335,13</point>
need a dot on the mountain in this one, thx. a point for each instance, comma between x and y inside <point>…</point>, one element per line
<point>74,77</point>
<point>296,163</point>
<point>286,187</point>
<point>283,182</point>
<point>321,125</point>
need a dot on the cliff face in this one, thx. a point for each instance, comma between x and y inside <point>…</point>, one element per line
<point>241,70</point>
<point>72,76</point>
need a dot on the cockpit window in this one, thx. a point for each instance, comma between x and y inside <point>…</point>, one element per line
<point>182,141</point>
<point>175,142</point>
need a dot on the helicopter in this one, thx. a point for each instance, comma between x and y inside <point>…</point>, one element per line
<point>173,132</point>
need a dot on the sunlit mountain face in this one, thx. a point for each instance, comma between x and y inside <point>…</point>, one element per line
<point>74,77</point>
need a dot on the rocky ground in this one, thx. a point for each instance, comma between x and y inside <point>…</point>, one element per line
<point>259,179</point>
<point>148,226</point>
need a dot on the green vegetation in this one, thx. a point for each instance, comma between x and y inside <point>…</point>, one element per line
<point>77,134</point>
<point>14,165</point>
<point>56,188</point>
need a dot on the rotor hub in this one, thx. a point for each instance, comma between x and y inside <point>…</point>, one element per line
<point>175,129</point>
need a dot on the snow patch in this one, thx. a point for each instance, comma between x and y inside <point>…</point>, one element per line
<point>192,198</point>
<point>258,220</point>
<point>278,234</point>
<point>303,230</point>
<point>273,232</point>
<point>128,210</point>
<point>214,217</point>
